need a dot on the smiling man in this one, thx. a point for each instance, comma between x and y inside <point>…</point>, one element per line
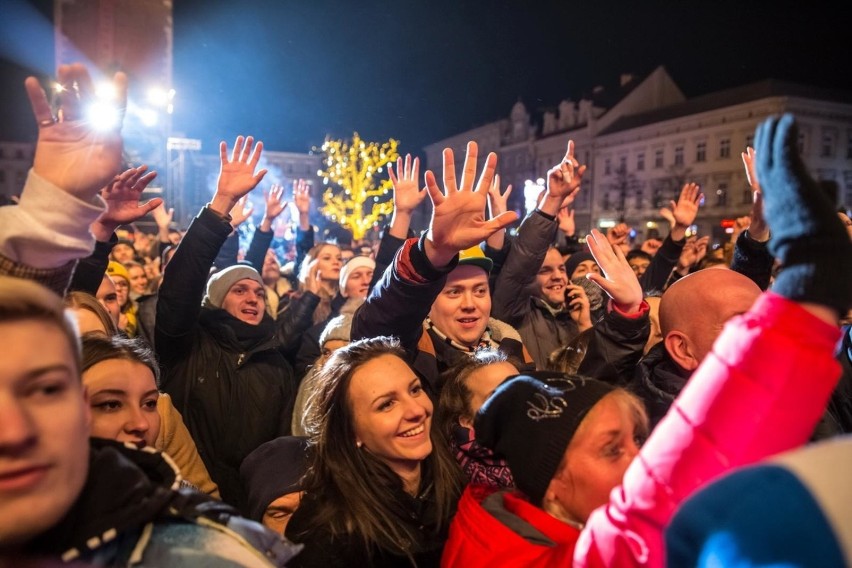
<point>222,359</point>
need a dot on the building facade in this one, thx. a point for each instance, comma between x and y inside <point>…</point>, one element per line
<point>644,139</point>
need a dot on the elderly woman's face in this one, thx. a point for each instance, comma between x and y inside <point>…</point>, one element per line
<point>595,460</point>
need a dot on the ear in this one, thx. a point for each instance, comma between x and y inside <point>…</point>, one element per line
<point>466,422</point>
<point>680,349</point>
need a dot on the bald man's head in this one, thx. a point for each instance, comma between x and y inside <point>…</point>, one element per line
<point>694,309</point>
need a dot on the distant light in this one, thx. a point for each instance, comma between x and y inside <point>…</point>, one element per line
<point>106,91</point>
<point>149,117</point>
<point>606,223</point>
<point>651,225</point>
<point>102,116</point>
<point>58,88</point>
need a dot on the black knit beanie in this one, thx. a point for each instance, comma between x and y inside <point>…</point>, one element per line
<point>574,261</point>
<point>530,423</point>
<point>273,470</point>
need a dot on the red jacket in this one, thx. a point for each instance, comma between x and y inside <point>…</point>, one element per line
<point>761,391</point>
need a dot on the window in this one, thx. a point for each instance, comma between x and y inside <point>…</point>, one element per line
<point>606,202</point>
<point>607,167</point>
<point>725,148</point>
<point>750,140</point>
<point>19,154</point>
<point>722,195</point>
<point>658,198</point>
<point>2,176</point>
<point>801,143</point>
<point>640,158</point>
<point>848,146</point>
<point>827,147</point>
<point>658,158</point>
<point>748,198</point>
<point>1,149</point>
<point>639,199</point>
<point>701,152</point>
<point>622,164</point>
<point>678,156</point>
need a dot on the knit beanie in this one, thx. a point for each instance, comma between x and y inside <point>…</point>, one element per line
<point>337,328</point>
<point>574,261</point>
<point>219,283</point>
<point>117,269</point>
<point>530,423</point>
<point>354,263</point>
<point>273,470</point>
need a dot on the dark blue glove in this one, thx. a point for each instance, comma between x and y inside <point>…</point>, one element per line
<point>807,235</point>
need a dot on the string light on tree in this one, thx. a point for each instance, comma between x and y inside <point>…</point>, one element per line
<point>353,167</point>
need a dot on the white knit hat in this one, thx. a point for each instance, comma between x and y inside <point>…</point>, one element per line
<point>354,263</point>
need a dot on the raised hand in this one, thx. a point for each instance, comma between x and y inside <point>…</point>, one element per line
<point>458,215</point>
<point>302,201</point>
<point>71,153</point>
<point>563,182</point>
<point>617,279</point>
<point>275,205</point>
<point>162,216</point>
<point>693,251</point>
<point>807,236</point>
<point>498,203</point>
<point>406,194</point>
<point>617,234</point>
<point>685,210</point>
<point>237,175</point>
<point>241,211</point>
<point>122,199</point>
<point>757,229</point>
<point>565,218</point>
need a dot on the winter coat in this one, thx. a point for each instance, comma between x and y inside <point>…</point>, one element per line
<point>324,550</point>
<point>543,329</point>
<point>399,304</point>
<point>229,380</point>
<point>760,392</point>
<point>131,512</point>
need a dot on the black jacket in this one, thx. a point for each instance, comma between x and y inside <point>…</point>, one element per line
<point>230,380</point>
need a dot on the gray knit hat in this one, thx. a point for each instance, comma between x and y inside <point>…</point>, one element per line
<point>530,423</point>
<point>219,283</point>
<point>337,328</point>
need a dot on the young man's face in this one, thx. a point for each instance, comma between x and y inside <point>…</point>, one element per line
<point>551,278</point>
<point>246,301</point>
<point>462,309</point>
<point>44,430</point>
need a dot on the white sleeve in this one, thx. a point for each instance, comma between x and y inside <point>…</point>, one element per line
<point>49,227</point>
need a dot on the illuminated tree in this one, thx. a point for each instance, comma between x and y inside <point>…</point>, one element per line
<point>357,203</point>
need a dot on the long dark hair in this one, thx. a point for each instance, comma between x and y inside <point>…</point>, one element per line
<point>359,491</point>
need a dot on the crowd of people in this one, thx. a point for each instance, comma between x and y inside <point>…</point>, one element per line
<point>462,396</point>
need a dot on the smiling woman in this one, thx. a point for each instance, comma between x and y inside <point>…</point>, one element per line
<point>382,485</point>
<point>120,377</point>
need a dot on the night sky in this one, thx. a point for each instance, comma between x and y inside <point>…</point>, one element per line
<point>291,72</point>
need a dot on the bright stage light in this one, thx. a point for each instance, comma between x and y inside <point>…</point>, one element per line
<point>102,115</point>
<point>148,117</point>
<point>106,91</point>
